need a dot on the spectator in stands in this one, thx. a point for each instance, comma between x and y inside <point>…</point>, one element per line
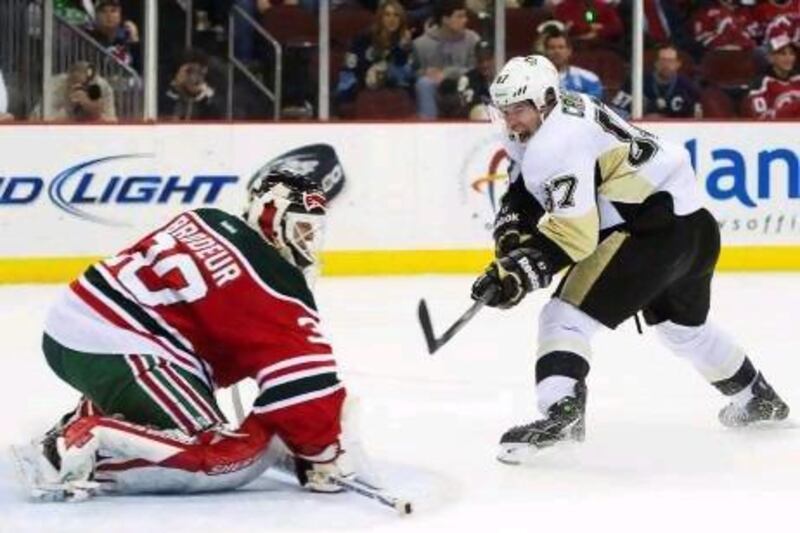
<point>667,92</point>
<point>79,95</point>
<point>465,97</point>
<point>380,57</point>
<point>777,93</point>
<point>765,12</point>
<point>474,85</point>
<point>784,24</point>
<point>446,50</point>
<point>4,114</point>
<point>189,96</point>
<point>589,20</point>
<point>118,37</point>
<point>558,49</point>
<point>725,25</point>
<point>245,34</point>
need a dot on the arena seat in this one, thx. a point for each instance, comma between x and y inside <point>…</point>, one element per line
<point>384,104</point>
<point>290,24</point>
<point>716,103</point>
<point>728,69</point>
<point>607,64</point>
<point>346,23</point>
<point>521,23</point>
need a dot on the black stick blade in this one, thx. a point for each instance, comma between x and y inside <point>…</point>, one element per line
<point>427,327</point>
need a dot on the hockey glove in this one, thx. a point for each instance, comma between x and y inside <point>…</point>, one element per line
<point>317,476</point>
<point>510,231</point>
<point>515,223</point>
<point>512,277</point>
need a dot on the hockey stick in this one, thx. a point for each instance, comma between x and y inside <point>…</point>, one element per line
<point>403,507</point>
<point>431,340</point>
<point>238,408</point>
<point>287,466</point>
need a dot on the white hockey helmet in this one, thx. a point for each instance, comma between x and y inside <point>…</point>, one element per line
<point>521,79</point>
<point>288,211</point>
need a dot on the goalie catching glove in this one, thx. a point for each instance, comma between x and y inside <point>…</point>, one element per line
<point>508,279</point>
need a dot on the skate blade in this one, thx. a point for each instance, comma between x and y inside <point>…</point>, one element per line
<point>767,425</point>
<point>517,454</point>
<point>521,454</point>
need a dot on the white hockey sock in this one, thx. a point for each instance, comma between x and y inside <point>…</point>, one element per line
<point>710,350</point>
<point>744,395</point>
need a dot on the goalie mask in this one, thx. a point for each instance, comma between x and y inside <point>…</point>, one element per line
<point>288,211</point>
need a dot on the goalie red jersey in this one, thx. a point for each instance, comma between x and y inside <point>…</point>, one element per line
<point>207,293</point>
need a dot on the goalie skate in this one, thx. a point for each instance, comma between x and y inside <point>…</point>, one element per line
<point>565,422</point>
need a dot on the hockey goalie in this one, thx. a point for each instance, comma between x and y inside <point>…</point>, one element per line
<point>148,335</point>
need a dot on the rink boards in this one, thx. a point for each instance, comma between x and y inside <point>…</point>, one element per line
<point>418,198</point>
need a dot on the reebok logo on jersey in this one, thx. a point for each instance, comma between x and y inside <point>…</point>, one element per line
<point>510,218</point>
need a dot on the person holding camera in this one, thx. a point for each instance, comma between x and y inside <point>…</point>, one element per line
<point>189,96</point>
<point>117,36</point>
<point>79,95</point>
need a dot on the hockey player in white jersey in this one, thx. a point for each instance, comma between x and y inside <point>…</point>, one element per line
<point>621,210</point>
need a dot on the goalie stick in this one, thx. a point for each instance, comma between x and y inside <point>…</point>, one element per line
<point>402,506</point>
<point>431,340</point>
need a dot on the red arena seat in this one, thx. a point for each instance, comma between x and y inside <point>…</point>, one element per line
<point>384,104</point>
<point>607,64</point>
<point>728,69</point>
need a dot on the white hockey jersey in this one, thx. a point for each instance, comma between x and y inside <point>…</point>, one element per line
<point>585,164</point>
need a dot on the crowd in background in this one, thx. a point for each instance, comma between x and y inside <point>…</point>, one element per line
<point>399,59</point>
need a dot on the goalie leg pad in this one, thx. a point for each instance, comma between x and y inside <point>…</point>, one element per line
<point>129,458</point>
<point>144,460</point>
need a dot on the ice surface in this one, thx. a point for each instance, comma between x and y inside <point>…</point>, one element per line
<point>655,458</point>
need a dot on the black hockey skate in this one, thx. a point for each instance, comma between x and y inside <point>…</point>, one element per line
<point>765,405</point>
<point>566,421</point>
